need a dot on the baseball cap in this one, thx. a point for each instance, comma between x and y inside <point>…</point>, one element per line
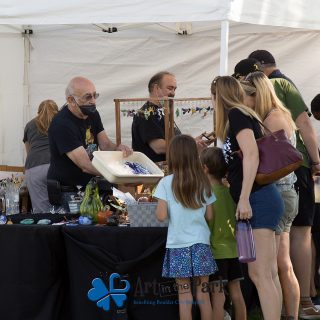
<point>263,56</point>
<point>244,67</point>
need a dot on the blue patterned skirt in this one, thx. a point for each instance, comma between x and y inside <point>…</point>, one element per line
<point>193,261</point>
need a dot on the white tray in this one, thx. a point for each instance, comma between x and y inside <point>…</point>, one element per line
<point>102,159</point>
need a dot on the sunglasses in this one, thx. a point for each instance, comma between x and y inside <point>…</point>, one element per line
<point>88,97</point>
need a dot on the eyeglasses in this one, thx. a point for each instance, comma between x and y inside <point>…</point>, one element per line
<point>88,97</point>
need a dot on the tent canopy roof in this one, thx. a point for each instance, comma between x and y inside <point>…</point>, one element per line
<point>285,13</point>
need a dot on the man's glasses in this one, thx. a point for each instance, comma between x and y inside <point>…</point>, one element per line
<point>88,97</point>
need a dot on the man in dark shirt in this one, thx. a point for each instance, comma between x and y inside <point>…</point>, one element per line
<point>315,110</point>
<point>148,130</point>
<point>74,134</point>
<point>300,236</point>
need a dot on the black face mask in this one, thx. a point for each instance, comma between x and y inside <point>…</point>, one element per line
<point>88,110</point>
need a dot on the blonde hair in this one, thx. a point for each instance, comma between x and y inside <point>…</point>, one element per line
<point>266,98</point>
<point>248,88</point>
<point>190,183</point>
<point>228,94</point>
<point>46,111</point>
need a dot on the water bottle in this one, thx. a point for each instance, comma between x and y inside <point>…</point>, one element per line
<point>245,242</point>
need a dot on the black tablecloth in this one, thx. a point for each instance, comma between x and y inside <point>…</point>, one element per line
<point>33,273</point>
<point>136,253</point>
<point>46,271</point>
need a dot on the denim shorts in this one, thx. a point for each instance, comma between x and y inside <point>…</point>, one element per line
<point>267,207</point>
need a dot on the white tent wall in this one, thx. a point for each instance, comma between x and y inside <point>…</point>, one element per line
<point>11,98</point>
<point>121,65</point>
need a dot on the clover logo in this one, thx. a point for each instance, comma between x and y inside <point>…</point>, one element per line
<point>100,293</point>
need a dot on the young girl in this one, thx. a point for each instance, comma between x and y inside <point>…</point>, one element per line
<point>185,197</point>
<point>238,126</point>
<point>223,241</point>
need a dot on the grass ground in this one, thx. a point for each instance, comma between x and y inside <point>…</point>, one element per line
<point>255,314</point>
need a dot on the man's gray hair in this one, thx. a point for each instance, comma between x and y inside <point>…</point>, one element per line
<point>69,90</point>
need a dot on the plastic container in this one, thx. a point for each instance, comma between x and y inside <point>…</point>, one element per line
<point>12,202</point>
<point>74,206</point>
<point>104,162</point>
<point>245,242</point>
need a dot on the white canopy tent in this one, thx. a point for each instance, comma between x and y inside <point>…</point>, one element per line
<point>43,45</point>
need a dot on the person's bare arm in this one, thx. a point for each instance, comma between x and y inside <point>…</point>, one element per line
<point>81,159</point>
<point>159,146</point>
<point>105,144</point>
<point>250,162</point>
<point>309,139</point>
<point>209,213</point>
<point>162,210</point>
<point>27,145</point>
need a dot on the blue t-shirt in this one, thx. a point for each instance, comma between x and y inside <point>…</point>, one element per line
<point>186,226</point>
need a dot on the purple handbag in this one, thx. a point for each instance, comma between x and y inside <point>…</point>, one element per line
<point>277,157</point>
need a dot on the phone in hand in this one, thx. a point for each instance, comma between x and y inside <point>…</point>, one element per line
<point>209,137</point>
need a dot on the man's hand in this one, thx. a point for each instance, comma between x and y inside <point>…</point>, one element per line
<point>315,169</point>
<point>127,151</point>
<point>203,143</point>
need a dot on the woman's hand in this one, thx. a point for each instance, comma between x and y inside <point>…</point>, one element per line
<point>243,210</point>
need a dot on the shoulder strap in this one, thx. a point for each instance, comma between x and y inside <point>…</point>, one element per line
<point>268,114</point>
<point>266,129</point>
